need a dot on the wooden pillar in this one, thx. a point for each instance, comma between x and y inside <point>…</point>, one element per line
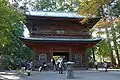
<point>78,59</point>
<point>73,57</point>
<point>50,55</point>
<point>85,59</point>
<point>70,54</point>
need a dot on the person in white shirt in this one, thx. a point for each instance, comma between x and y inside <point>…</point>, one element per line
<point>53,64</point>
<point>60,65</point>
<point>96,64</point>
<point>105,66</point>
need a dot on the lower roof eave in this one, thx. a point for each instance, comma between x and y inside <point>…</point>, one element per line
<point>61,40</point>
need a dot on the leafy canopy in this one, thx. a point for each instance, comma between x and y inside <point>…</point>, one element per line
<point>9,17</point>
<point>91,7</point>
<point>50,5</point>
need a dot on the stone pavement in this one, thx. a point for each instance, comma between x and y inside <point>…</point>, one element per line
<point>102,69</point>
<point>79,75</point>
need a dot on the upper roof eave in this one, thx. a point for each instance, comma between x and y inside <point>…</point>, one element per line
<point>58,14</point>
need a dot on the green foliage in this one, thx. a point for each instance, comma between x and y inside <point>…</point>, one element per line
<point>8,16</point>
<point>115,10</point>
<point>11,27</point>
<point>91,7</point>
<point>110,11</point>
<point>15,52</point>
<point>104,48</point>
<point>11,62</point>
<point>53,5</point>
<point>14,61</point>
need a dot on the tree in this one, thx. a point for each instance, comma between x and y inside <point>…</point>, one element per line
<point>11,27</point>
<point>93,7</point>
<point>9,16</point>
<point>109,10</point>
<point>15,52</point>
<point>50,5</point>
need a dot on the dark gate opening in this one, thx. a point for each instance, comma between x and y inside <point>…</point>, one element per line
<point>64,55</point>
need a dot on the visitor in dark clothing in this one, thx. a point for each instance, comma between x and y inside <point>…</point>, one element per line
<point>44,65</point>
<point>53,65</point>
<point>60,65</point>
<point>24,65</point>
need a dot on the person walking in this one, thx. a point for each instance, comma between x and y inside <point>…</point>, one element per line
<point>105,66</point>
<point>60,65</point>
<point>43,67</point>
<point>30,65</point>
<point>96,64</point>
<point>24,65</point>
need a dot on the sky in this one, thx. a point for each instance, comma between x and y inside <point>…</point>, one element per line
<point>26,32</point>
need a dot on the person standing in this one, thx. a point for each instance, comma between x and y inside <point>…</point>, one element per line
<point>53,64</point>
<point>96,64</point>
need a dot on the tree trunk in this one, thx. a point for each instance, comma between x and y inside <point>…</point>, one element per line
<point>115,44</point>
<point>93,54</point>
<point>117,57</point>
<point>110,48</point>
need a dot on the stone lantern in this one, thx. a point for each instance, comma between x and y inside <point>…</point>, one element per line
<point>69,72</point>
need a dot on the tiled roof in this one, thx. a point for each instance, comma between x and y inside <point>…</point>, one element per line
<point>57,14</point>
